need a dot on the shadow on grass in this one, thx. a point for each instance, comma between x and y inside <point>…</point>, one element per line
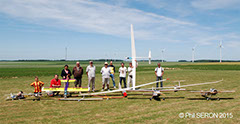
<point>211,98</point>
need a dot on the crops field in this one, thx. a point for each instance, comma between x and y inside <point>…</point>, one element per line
<point>136,108</point>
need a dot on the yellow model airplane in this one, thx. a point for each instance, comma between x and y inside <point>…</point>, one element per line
<point>70,89</point>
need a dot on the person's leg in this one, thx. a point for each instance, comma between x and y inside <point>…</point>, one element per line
<point>161,81</point>
<point>93,83</point>
<point>124,81</point>
<point>103,83</point>
<point>128,83</point>
<point>157,79</point>
<point>89,83</point>
<point>108,80</point>
<point>76,82</point>
<point>80,82</point>
<point>120,82</point>
<point>113,80</point>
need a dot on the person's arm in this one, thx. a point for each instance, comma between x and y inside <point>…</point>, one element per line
<point>41,83</point>
<point>82,71</point>
<point>59,83</point>
<point>156,71</point>
<point>87,69</point>
<point>32,84</point>
<point>101,71</point>
<point>162,72</point>
<point>69,74</point>
<point>129,69</point>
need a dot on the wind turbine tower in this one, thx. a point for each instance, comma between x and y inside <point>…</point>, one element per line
<point>220,46</point>
<point>149,57</point>
<point>163,50</point>
<point>193,54</point>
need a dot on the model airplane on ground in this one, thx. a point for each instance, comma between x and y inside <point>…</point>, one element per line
<point>208,94</point>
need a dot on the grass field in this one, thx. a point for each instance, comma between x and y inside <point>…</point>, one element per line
<point>15,76</point>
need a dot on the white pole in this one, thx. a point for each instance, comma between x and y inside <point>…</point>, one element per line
<point>149,57</point>
<point>220,54</point>
<point>133,58</point>
<point>220,51</point>
<point>163,54</point>
<point>193,50</point>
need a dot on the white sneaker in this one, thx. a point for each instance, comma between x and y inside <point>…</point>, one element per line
<point>108,89</point>
<point>102,90</point>
<point>114,87</point>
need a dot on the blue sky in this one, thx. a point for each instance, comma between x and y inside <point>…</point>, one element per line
<point>92,29</point>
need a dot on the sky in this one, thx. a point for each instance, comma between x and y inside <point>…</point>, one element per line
<point>94,29</point>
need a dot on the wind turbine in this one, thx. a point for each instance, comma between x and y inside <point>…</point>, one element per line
<point>220,46</point>
<point>193,53</point>
<point>163,50</point>
<point>149,57</point>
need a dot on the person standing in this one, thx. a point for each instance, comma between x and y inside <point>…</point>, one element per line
<point>130,73</point>
<point>77,73</point>
<point>159,71</point>
<point>91,69</point>
<point>112,68</point>
<point>38,86</point>
<point>105,71</point>
<point>122,76</point>
<point>66,73</point>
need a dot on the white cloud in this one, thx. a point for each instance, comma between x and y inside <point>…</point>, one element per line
<point>94,17</point>
<point>110,19</point>
<point>216,4</point>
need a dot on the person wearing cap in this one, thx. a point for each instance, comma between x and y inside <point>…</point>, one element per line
<point>77,73</point>
<point>91,69</point>
<point>66,73</point>
<point>159,71</point>
<point>105,71</point>
<point>112,68</point>
<point>122,75</point>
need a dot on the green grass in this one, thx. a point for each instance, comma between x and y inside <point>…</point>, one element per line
<point>15,76</point>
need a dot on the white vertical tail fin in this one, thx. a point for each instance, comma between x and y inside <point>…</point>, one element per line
<point>133,58</point>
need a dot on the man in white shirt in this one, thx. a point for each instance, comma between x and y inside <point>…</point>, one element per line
<point>122,75</point>
<point>130,69</point>
<point>91,69</point>
<point>105,71</point>
<point>159,71</point>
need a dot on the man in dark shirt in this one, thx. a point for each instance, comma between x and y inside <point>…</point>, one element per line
<point>77,73</point>
<point>112,68</point>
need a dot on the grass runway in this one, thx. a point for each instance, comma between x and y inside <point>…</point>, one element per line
<point>15,76</point>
